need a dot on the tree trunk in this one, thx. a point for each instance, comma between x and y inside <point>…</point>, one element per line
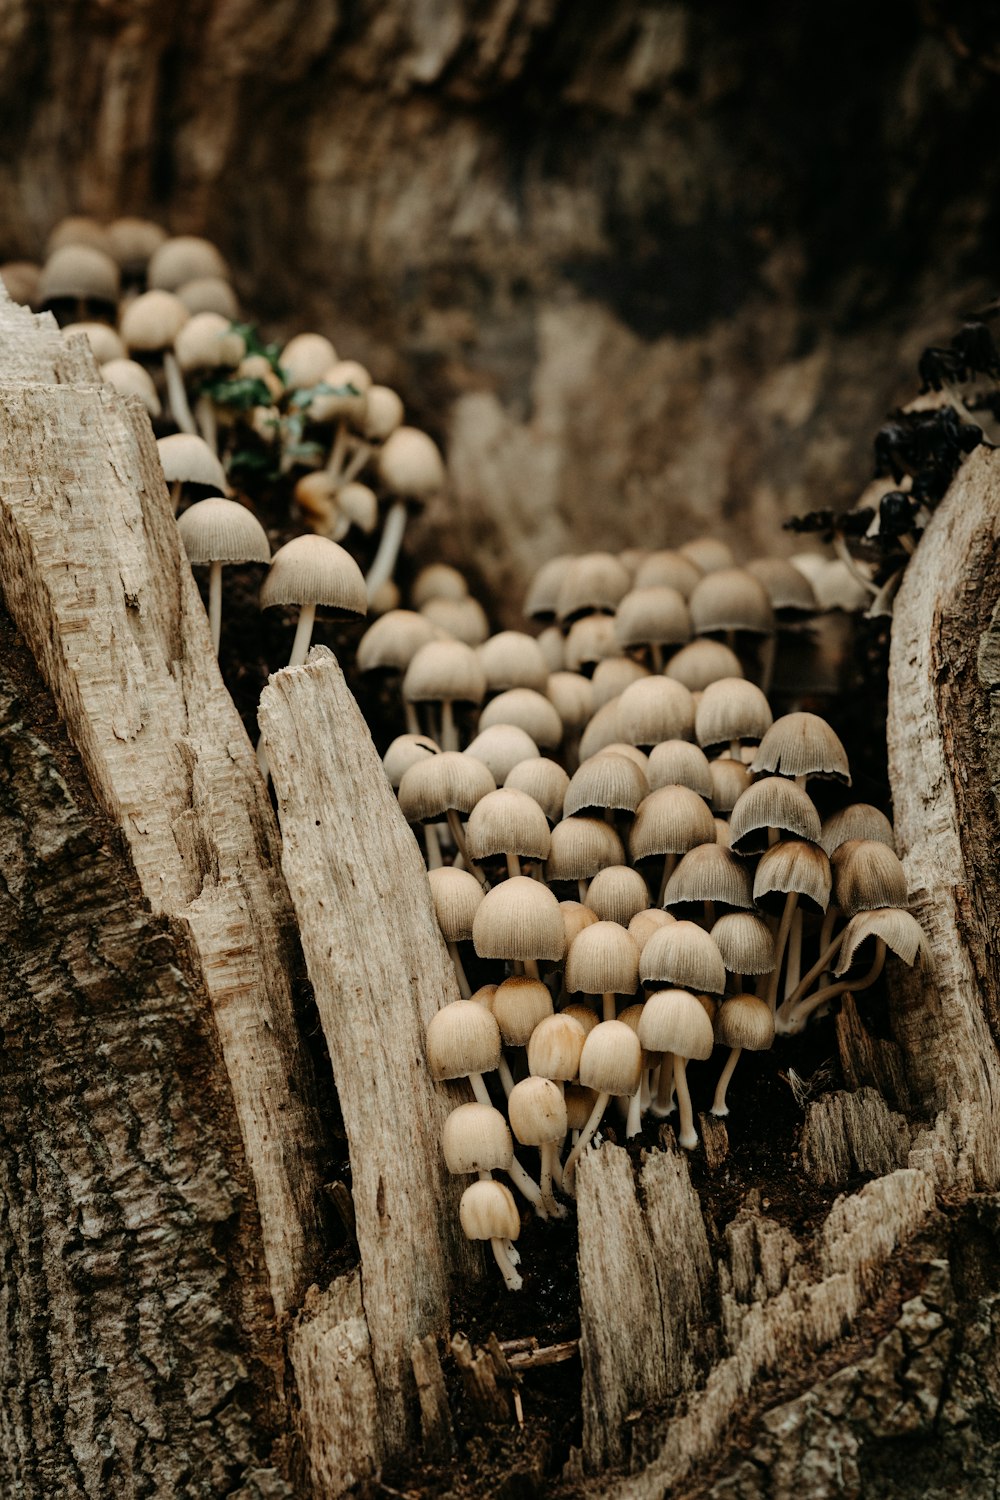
<point>173,1324</point>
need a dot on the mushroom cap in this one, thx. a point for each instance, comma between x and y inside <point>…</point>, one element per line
<point>476,1139</point>
<point>595,581</point>
<point>676,1021</point>
<point>409,463</point>
<point>731,709</point>
<point>183,258</point>
<point>519,919</point>
<point>683,954</point>
<point>709,553</point>
<point>444,671</point>
<point>527,710</point>
<point>584,1014</point>
<point>487,1211</point>
<point>210,294</point>
<point>507,822</point>
<point>543,591</point>
<point>867,875</point>
<point>680,763</point>
<point>710,872</point>
<point>790,866</point>
<point>772,802</point>
<point>731,599</point>
<point>901,933</point>
<point>653,615</point>
<point>555,1045</point>
<point>590,639</point>
<point>21,279</point>
<point>314,570</point>
<point>579,1103</point>
<point>745,1021</point>
<point>79,271</point>
<point>438,581</point>
<point>129,378</point>
<point>537,1111</point>
<point>189,459</point>
<point>670,820</point>
<point>220,530</point>
<point>78,229</point>
<point>462,1038</point>
<point>601,732</point>
<point>745,942</point>
<point>502,747</point>
<point>789,590</point>
<point>606,781</point>
<point>730,779</point>
<point>150,323</point>
<point>655,709</point>
<point>612,675</point>
<point>464,619</point>
<point>580,847</point>
<point>617,893</point>
<point>519,1004</point>
<point>646,922</point>
<point>666,568</point>
<point>104,342</point>
<point>572,697</point>
<point>348,394</point>
<point>436,783</point>
<point>405,751</point>
<point>512,659</point>
<point>383,413</point>
<point>802,744</point>
<point>391,642</point>
<point>859,820</point>
<point>700,663</point>
<point>207,342</point>
<point>457,896</point>
<point>611,1060</point>
<point>722,836</point>
<point>132,241</point>
<point>576,917</point>
<point>305,359</point>
<point>485,995</point>
<point>543,780</point>
<point>552,646</point>
<point>603,959</point>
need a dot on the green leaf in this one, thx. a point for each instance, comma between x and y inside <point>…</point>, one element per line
<point>255,345</point>
<point>305,395</point>
<point>239,392</point>
<point>252,461</point>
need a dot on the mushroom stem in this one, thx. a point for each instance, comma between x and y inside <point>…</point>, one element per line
<point>791,900</point>
<point>798,1017</point>
<point>176,494</point>
<point>303,635</point>
<point>656,657</point>
<point>531,968</point>
<point>449,733</point>
<point>513,864</point>
<point>610,1008</point>
<point>586,1135</point>
<point>215,604</point>
<point>826,931</point>
<point>433,845</point>
<point>204,411</point>
<point>633,1123</point>
<point>790,1001</point>
<point>719,1105</point>
<point>527,1187</point>
<point>389,544</point>
<point>688,1135</point>
<point>510,1274</point>
<point>463,983</point>
<point>505,1076</point>
<point>581,891</point>
<point>669,865</point>
<point>359,458</point>
<point>177,395</point>
<point>793,967</point>
<point>662,1103</point>
<point>555,1210</point>
<point>410,714</point>
<point>767,659</point>
<point>339,450</point>
<point>458,834</point>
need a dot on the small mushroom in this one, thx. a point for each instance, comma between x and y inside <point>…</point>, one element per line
<point>219,531</point>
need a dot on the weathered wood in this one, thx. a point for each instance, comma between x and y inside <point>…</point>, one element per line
<point>870,1061</point>
<point>486,1376</point>
<point>93,573</point>
<point>379,970</point>
<point>944,762</point>
<point>338,1408</point>
<point>847,1134</point>
<point>436,1428</point>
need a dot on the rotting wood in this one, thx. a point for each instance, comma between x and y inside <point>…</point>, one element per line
<point>437,1431</point>
<point>870,1061</point>
<point>379,970</point>
<point>93,573</point>
<point>338,1410</point>
<point>846,1134</point>
<point>486,1377</point>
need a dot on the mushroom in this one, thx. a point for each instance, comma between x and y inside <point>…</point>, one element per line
<point>82,275</point>
<point>129,378</point>
<point>579,848</point>
<point>411,468</point>
<point>105,345</point>
<point>488,1212</point>
<point>390,644</point>
<point>706,877</point>
<point>210,294</point>
<point>520,920</point>
<point>611,1063</point>
<point>149,326</point>
<point>594,582</point>
<point>187,459</point>
<point>528,710</point>
<point>606,783</point>
<point>456,895</point>
<point>652,617</point>
<point>309,571</point>
<point>617,894</point>
<point>730,711</point>
<point>802,745</point>
<point>675,1023</point>
<point>655,709</point>
<point>743,1024</point>
<point>892,930</point>
<point>537,1113</point>
<point>476,1138</point>
<point>133,242</point>
<point>448,784</point>
<point>679,763</point>
<point>666,568</point>
<point>508,823</point>
<point>770,809</point>
<point>669,822</point>
<point>603,960</point>
<point>543,780</point>
<point>445,673</point>
<point>502,747</point>
<point>181,259</point>
<point>702,662</point>
<point>217,531</point>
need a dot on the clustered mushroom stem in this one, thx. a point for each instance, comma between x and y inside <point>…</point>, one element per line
<point>390,541</point>
<point>505,1075</point>
<point>790,1001</point>
<point>610,1009</point>
<point>339,450</point>
<point>779,947</point>
<point>719,1105</point>
<point>633,1123</point>
<point>548,1197</point>
<point>586,1135</point>
<point>688,1135</point>
<point>463,983</point>
<point>457,833</point>
<point>793,968</point>
<point>826,933</point>
<point>362,454</point>
<point>215,604</point>
<point>768,654</point>
<point>669,865</point>
<point>527,1186</point>
<point>176,490</point>
<point>531,968</point>
<point>510,1274</point>
<point>449,732</point>
<point>433,846</point>
<point>513,864</point>
<point>177,395</point>
<point>656,657</point>
<point>663,1098</point>
<point>581,891</point>
<point>204,411</point>
<point>804,1010</point>
<point>480,1090</point>
<point>412,722</point>
<point>303,635</point>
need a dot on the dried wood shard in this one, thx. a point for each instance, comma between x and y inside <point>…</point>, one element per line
<point>848,1134</point>
<point>338,1413</point>
<point>379,970</point>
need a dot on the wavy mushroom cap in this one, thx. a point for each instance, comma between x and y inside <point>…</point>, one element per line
<point>802,744</point>
<point>457,896</point>
<point>151,323</point>
<point>314,570</point>
<point>671,820</point>
<point>606,781</point>
<point>901,933</point>
<point>867,875</point>
<point>519,919</point>
<point>710,872</point>
<point>745,942</point>
<point>223,531</point>
<point>487,1211</point>
<point>188,459</point>
<point>793,866</point>
<point>731,709</point>
<point>772,802</point>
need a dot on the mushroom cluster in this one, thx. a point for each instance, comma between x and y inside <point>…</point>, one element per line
<point>629,847</point>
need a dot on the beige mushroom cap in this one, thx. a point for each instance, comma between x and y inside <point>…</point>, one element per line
<point>802,744</point>
<point>78,229</point>
<point>129,378</point>
<point>465,619</point>
<point>680,763</point>
<point>683,954</point>
<point>555,1045</point>
<point>314,570</point>
<point>745,942</point>
<point>410,464</point>
<point>519,919</point>
<point>528,710</point>
<point>537,1111</point>
<point>475,1138</point>
<point>595,581</point>
<point>207,341</point>
<point>182,259</point>
<point>79,271</point>
<point>383,413</point>
<point>438,581</point>
<point>502,747</point>
<point>655,709</point>
<point>645,923</point>
<point>104,342</point>
<point>21,279</point>
<point>710,872</point>
<point>391,642</point>
<point>189,459</point>
<point>745,1021</point>
<point>703,662</point>
<point>617,894</point>
<point>444,671</point>
<point>572,696</point>
<point>676,1021</point>
<point>305,358</point>
<point>487,1211</point>
<point>670,820</point>
<point>220,530</point>
<point>211,294</point>
<point>507,822</point>
<point>867,875</point>
<point>859,820</point>
<point>134,241</point>
<point>457,896</point>
<point>603,959</point>
<point>151,322</point>
<point>405,751</point>
<point>462,1038</point>
<point>666,568</point>
<point>709,553</point>
<point>433,784</point>
<point>901,933</point>
<point>519,1005</point>
<point>582,846</point>
<point>611,1060</point>
<point>791,866</point>
<point>544,780</point>
<point>731,709</point>
<point>772,802</point>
